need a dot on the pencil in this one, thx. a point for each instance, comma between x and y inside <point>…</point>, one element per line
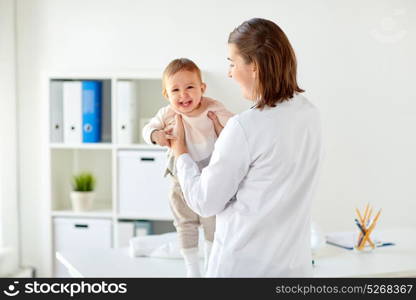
<point>370,229</point>
<point>364,227</point>
<point>361,223</point>
<point>366,211</point>
<point>368,217</point>
<point>362,233</point>
<point>359,216</point>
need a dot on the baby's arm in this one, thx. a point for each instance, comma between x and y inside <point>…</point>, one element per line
<point>160,137</point>
<point>153,132</point>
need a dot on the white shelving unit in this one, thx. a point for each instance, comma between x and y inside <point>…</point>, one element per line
<point>102,159</point>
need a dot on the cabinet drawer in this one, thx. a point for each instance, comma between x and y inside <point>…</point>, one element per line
<point>143,190</point>
<point>79,234</point>
<point>73,233</point>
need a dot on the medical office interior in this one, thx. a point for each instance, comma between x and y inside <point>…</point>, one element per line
<point>356,62</point>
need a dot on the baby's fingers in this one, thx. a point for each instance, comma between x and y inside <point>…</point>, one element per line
<point>165,143</point>
<point>168,130</point>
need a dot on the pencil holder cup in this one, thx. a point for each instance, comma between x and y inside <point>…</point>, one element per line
<point>363,240</point>
<point>361,244</point>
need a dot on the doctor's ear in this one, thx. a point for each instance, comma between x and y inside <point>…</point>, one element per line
<point>254,69</point>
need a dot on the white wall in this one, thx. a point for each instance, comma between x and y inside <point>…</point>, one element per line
<point>9,236</point>
<point>356,62</point>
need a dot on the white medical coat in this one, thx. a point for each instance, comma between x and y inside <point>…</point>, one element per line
<point>265,161</point>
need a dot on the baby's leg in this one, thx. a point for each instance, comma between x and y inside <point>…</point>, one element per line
<point>185,220</point>
<point>208,225</point>
<point>186,223</point>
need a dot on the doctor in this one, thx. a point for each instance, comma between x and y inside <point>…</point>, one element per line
<point>264,169</point>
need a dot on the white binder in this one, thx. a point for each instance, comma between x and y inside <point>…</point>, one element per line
<point>72,95</point>
<point>56,112</point>
<point>127,124</point>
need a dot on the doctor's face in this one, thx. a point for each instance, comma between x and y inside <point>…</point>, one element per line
<point>240,71</point>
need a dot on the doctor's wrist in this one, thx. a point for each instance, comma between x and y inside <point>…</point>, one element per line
<point>178,150</point>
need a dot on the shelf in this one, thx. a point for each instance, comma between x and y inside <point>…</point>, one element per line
<point>126,109</point>
<point>142,217</point>
<point>105,146</point>
<point>92,146</point>
<point>138,74</point>
<point>140,147</point>
<point>98,213</point>
<point>67,162</point>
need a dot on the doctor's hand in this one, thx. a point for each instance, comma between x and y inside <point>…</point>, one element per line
<point>217,125</point>
<point>178,145</point>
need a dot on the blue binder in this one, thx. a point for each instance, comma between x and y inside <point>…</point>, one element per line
<point>91,111</point>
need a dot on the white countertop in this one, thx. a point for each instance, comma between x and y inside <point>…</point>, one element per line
<point>330,261</point>
<point>391,261</point>
<point>118,263</point>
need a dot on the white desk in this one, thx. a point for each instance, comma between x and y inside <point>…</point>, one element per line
<point>391,261</point>
<point>118,263</point>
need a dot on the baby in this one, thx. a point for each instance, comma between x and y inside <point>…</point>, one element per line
<point>184,89</point>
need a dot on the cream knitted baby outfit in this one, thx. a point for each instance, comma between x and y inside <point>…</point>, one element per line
<point>200,139</point>
<point>199,131</point>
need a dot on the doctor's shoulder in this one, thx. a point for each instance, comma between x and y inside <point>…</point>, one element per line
<point>248,117</point>
<point>303,101</point>
<point>308,107</point>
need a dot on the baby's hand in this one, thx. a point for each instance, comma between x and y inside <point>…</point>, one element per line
<point>160,138</point>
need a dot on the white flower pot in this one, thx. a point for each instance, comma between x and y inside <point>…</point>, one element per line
<point>82,201</point>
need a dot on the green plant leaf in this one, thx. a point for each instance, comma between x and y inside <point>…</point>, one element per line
<point>83,182</point>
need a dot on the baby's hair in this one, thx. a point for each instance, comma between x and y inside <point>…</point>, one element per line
<point>177,65</point>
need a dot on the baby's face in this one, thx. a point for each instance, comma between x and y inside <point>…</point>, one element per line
<point>184,90</point>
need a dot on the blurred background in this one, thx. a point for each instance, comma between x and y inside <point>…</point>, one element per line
<point>356,61</point>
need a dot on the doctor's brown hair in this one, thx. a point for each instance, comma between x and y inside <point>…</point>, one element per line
<point>264,43</point>
<point>175,66</point>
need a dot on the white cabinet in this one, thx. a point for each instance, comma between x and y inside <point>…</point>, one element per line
<point>129,174</point>
<point>76,233</point>
<point>143,191</point>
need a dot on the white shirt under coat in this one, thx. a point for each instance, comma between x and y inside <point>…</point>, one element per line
<point>269,160</point>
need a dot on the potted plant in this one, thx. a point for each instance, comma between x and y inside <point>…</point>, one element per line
<point>82,195</point>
